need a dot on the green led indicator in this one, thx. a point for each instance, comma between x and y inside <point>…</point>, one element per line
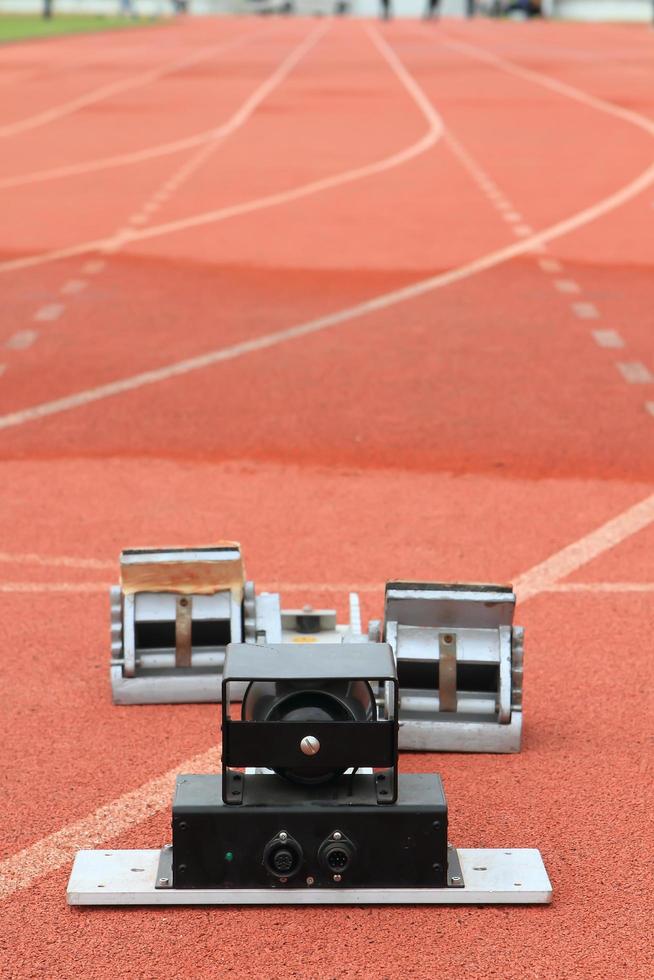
<point>229,856</point>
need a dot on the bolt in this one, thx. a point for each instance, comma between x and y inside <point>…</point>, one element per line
<point>338,878</point>
<point>168,847</point>
<point>456,877</point>
<point>163,881</point>
<point>310,880</point>
<point>283,880</point>
<point>310,745</point>
<point>337,835</point>
<point>183,825</point>
<point>183,602</point>
<point>283,835</point>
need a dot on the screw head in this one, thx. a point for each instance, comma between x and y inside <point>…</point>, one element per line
<point>283,835</point>
<point>337,835</point>
<point>310,880</point>
<point>338,877</point>
<point>163,881</point>
<point>310,745</point>
<point>456,877</point>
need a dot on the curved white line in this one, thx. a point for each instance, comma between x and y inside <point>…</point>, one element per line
<point>554,84</point>
<point>384,301</point>
<point>434,132</point>
<point>114,88</point>
<point>120,159</point>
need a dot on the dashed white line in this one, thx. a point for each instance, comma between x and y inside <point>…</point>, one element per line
<point>567,286</point>
<point>585,311</point>
<point>608,338</point>
<point>523,231</point>
<point>50,312</point>
<point>93,267</point>
<point>73,286</point>
<point>550,265</point>
<point>22,340</point>
<point>635,373</point>
<point>536,245</point>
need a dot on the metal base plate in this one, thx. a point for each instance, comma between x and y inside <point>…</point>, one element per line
<point>177,686</point>
<point>460,735</point>
<point>492,876</point>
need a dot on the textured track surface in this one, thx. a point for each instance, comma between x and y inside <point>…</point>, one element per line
<point>173,203</point>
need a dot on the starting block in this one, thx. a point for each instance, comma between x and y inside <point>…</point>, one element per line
<point>459,657</point>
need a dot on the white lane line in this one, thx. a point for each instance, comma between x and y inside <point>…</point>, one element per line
<point>431,136</point>
<point>114,88</point>
<point>523,230</point>
<point>608,338</point>
<point>56,561</point>
<point>73,286</point>
<point>22,339</point>
<point>585,311</point>
<point>547,81</point>
<point>537,248</point>
<point>649,407</point>
<point>512,217</point>
<point>635,373</point>
<point>535,244</point>
<point>384,301</point>
<point>592,545</point>
<point>57,850</point>
<point>50,312</point>
<point>567,286</point>
<point>312,588</point>
<point>374,305</point>
<point>550,265</point>
<point>52,852</point>
<point>35,588</point>
<point>93,267</point>
<point>309,588</point>
<point>117,160</point>
<point>586,587</point>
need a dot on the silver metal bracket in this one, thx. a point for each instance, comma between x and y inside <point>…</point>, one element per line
<point>172,616</point>
<point>459,661</point>
<point>494,876</point>
<point>459,656</point>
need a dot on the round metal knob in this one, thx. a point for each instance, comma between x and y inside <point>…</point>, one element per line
<point>310,745</point>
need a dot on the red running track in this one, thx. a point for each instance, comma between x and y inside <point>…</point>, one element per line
<point>456,220</point>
